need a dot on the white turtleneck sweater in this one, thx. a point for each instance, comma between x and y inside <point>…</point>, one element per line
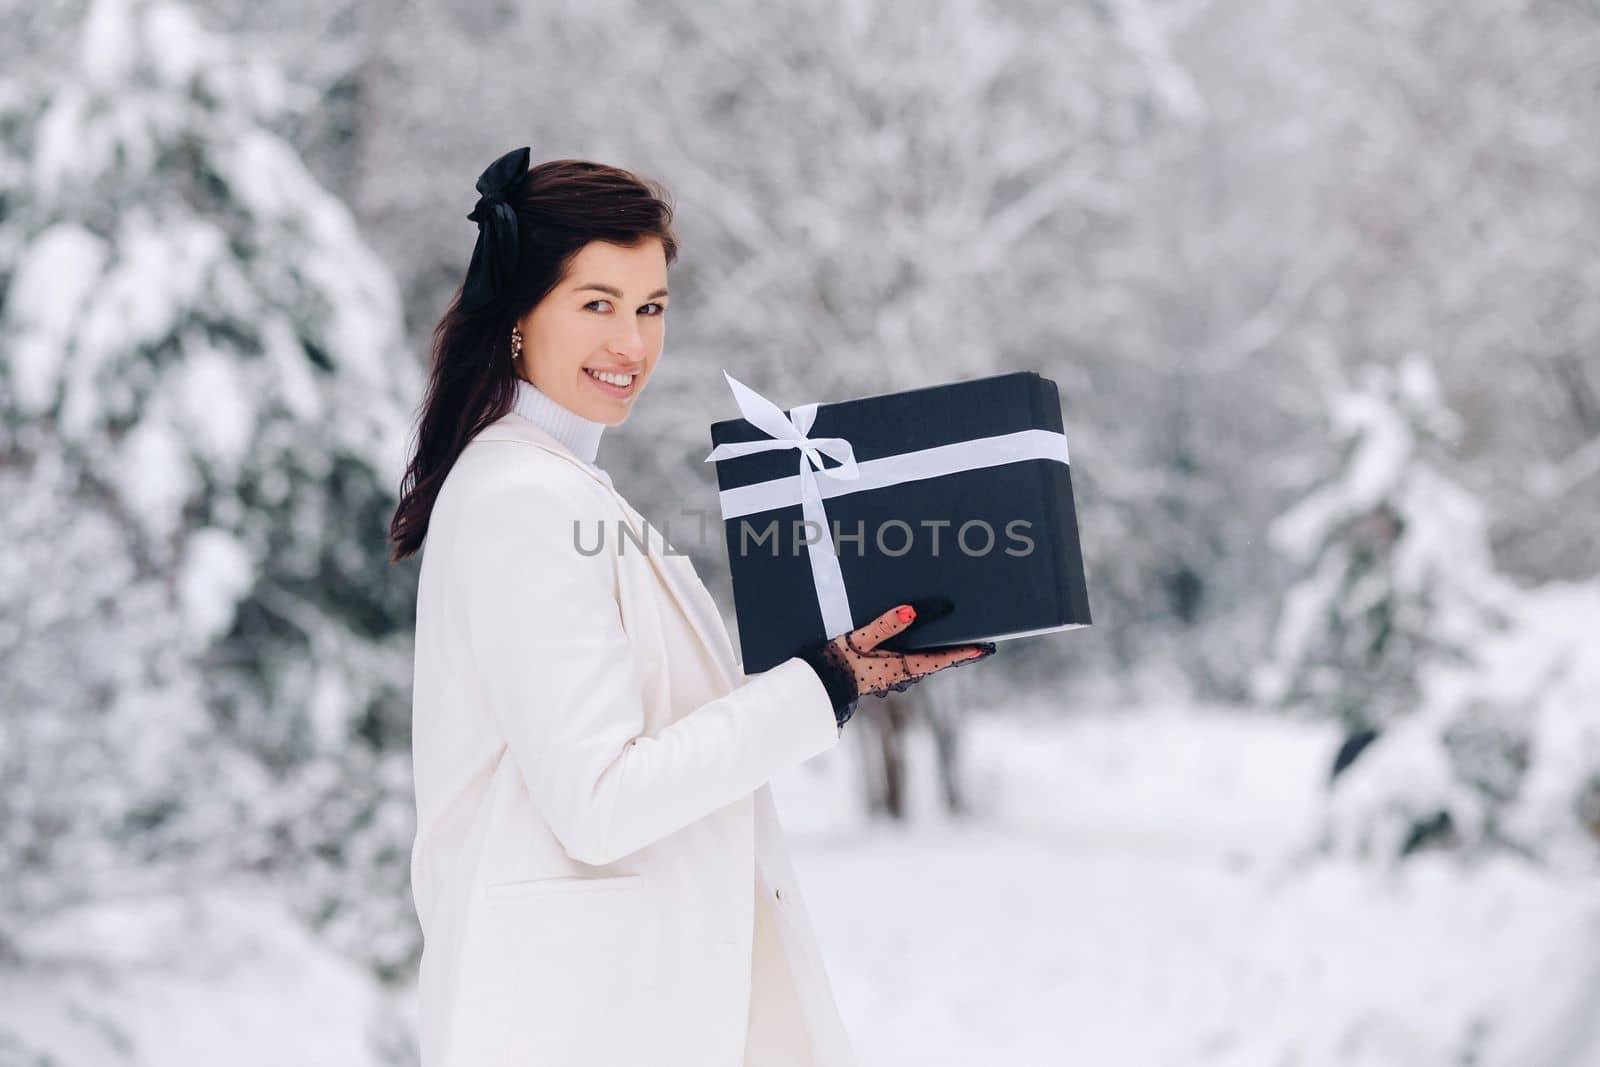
<point>580,435</point>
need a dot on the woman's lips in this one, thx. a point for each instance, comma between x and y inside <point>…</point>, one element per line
<point>614,390</point>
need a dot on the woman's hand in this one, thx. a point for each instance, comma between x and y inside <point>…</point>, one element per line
<point>878,670</point>
<point>852,664</point>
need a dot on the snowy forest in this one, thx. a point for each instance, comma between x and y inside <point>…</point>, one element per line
<point>1319,285</point>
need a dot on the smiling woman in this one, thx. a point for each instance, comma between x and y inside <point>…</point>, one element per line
<point>598,868</point>
<point>569,275</point>
<point>592,355</point>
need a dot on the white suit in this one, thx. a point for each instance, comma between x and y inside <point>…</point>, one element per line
<point>599,870</point>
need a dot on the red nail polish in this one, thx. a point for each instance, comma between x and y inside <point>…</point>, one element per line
<point>907,613</point>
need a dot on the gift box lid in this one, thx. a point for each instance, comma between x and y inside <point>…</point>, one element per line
<point>888,424</point>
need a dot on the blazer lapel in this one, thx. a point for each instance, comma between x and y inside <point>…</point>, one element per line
<point>675,572</point>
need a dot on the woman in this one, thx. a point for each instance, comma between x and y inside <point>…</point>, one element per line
<point>598,869</point>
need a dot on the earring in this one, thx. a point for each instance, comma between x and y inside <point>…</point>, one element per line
<point>516,344</point>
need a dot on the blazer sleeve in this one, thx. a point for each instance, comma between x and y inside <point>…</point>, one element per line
<point>564,686</point>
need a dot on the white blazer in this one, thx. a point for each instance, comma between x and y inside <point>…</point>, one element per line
<point>599,871</point>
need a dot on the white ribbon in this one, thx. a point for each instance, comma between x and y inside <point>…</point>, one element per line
<point>852,477</point>
<point>784,433</point>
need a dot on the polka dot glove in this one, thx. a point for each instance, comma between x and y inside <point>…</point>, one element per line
<point>852,664</point>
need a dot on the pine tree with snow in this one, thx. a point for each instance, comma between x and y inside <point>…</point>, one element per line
<point>1394,557</point>
<point>204,402</point>
<point>1502,752</point>
<point>1468,702</point>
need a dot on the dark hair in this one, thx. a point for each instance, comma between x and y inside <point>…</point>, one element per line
<point>561,206</point>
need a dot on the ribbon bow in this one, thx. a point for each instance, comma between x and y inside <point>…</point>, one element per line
<point>794,432</point>
<point>494,257</point>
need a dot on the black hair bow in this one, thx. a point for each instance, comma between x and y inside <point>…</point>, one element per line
<point>494,257</point>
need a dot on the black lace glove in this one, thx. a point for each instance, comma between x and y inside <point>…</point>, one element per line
<point>853,663</point>
<point>837,678</point>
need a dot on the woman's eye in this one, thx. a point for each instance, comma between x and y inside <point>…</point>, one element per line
<point>660,308</point>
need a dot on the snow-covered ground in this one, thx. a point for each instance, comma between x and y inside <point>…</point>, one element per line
<point>1136,889</point>
<point>223,978</point>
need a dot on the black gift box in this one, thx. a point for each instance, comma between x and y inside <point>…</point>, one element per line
<point>1000,541</point>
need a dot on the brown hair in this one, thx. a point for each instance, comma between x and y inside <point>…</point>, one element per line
<point>561,206</point>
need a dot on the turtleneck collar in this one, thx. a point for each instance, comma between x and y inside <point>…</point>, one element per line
<point>579,434</point>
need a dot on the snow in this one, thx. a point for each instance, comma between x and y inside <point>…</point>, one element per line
<point>49,292</point>
<point>157,277</point>
<point>108,55</point>
<point>264,172</point>
<point>157,475</point>
<point>214,579</point>
<point>213,404</point>
<point>1138,890</point>
<point>1137,887</point>
<point>1506,744</point>
<point>222,976</point>
<point>175,43</point>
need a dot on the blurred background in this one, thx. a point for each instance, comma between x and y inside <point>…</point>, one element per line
<point>1320,286</point>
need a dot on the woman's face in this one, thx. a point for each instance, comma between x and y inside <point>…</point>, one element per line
<point>607,315</point>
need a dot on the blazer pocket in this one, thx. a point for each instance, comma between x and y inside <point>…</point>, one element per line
<point>540,886</point>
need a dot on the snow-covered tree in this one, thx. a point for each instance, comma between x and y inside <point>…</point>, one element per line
<point>204,402</point>
<point>1395,560</point>
<point>1468,702</point>
<point>1502,751</point>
